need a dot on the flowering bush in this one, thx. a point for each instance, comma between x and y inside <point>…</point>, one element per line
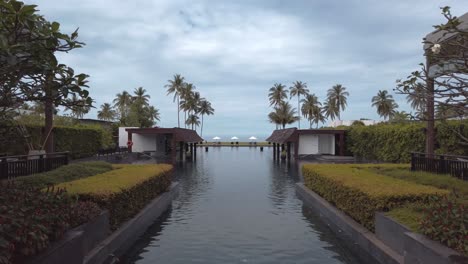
<point>447,222</point>
<point>30,219</point>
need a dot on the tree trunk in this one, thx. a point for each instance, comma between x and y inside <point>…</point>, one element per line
<point>48,136</point>
<point>430,130</point>
<point>178,112</point>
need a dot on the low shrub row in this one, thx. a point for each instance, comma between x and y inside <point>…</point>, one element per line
<point>30,219</point>
<point>65,173</point>
<point>360,192</point>
<point>124,191</point>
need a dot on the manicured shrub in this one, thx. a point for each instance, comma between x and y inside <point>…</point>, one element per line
<point>30,219</point>
<point>123,191</point>
<point>360,193</point>
<point>447,222</point>
<point>65,173</point>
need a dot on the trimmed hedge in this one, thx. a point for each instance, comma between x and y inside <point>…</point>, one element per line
<point>360,193</point>
<point>394,142</point>
<point>65,173</point>
<point>124,191</point>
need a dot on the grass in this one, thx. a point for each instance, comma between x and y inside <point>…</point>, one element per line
<point>114,181</point>
<point>65,173</point>
<point>409,215</point>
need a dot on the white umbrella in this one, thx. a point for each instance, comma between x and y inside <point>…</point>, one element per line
<point>216,138</point>
<point>252,138</point>
<point>234,138</point>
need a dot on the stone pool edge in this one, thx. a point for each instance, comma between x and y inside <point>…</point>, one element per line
<point>360,240</point>
<point>115,245</point>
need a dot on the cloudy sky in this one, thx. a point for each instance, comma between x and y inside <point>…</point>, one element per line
<point>234,51</point>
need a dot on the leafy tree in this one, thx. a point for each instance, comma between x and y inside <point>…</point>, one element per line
<point>285,114</point>
<point>277,94</point>
<point>29,70</point>
<point>79,107</point>
<point>205,109</point>
<point>311,109</point>
<point>337,98</point>
<point>185,96</point>
<point>299,88</point>
<point>400,117</point>
<point>122,102</point>
<point>274,118</point>
<point>193,120</point>
<point>384,103</point>
<point>154,114</point>
<point>106,113</point>
<point>175,87</point>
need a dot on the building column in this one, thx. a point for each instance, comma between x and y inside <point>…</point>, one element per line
<point>288,150</point>
<point>194,151</point>
<point>342,144</point>
<point>296,149</point>
<point>181,150</point>
<point>274,151</point>
<point>191,150</point>
<point>129,136</point>
<point>173,150</point>
<point>278,151</point>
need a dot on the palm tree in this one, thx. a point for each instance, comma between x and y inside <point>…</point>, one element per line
<point>175,87</point>
<point>418,98</point>
<point>193,120</point>
<point>285,114</point>
<point>205,109</point>
<point>400,116</point>
<point>277,94</point>
<point>106,113</point>
<point>330,110</point>
<point>78,107</point>
<point>141,96</point>
<point>154,114</point>
<point>185,94</point>
<point>123,101</point>
<point>298,89</point>
<point>274,118</point>
<point>384,103</point>
<point>311,109</point>
<point>338,96</point>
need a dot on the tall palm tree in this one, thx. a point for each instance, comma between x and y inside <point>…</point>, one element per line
<point>384,103</point>
<point>417,98</point>
<point>154,114</point>
<point>106,113</point>
<point>175,87</point>
<point>277,94</point>
<point>193,120</point>
<point>286,114</point>
<point>274,118</point>
<point>122,102</point>
<point>185,94</point>
<point>311,109</point>
<point>299,88</point>
<point>141,96</point>
<point>330,110</point>
<point>205,109</point>
<point>338,96</point>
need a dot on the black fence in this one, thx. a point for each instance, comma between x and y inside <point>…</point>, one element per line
<point>111,151</point>
<point>15,166</point>
<point>457,166</point>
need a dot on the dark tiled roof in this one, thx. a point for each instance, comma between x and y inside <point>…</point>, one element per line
<point>181,134</point>
<point>281,135</point>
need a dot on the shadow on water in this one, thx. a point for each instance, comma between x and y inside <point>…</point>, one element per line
<point>237,205</point>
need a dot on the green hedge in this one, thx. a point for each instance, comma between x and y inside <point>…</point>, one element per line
<point>81,141</point>
<point>124,191</point>
<point>361,193</point>
<point>394,142</point>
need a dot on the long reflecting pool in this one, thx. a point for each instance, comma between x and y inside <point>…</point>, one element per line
<point>236,205</point>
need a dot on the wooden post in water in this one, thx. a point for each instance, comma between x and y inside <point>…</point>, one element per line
<point>288,150</point>
<point>274,151</point>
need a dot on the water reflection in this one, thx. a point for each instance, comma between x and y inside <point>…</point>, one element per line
<point>237,205</point>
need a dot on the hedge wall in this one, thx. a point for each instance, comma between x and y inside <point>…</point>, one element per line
<point>81,141</point>
<point>394,142</point>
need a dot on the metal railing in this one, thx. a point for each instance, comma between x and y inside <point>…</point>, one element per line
<point>23,165</point>
<point>456,166</point>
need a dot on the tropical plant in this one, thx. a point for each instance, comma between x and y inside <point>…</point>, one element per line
<point>193,120</point>
<point>384,103</point>
<point>122,102</point>
<point>274,118</point>
<point>140,95</point>
<point>277,94</point>
<point>285,114</point>
<point>175,87</point>
<point>205,109</point>
<point>311,109</point>
<point>418,98</point>
<point>337,95</point>
<point>154,114</point>
<point>299,88</point>
<point>78,107</point>
<point>106,113</point>
<point>185,95</point>
<point>400,116</point>
<point>330,110</point>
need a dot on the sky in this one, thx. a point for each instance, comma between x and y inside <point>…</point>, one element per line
<point>234,51</point>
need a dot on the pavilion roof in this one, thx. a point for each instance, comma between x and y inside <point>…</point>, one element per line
<point>181,134</point>
<point>282,136</point>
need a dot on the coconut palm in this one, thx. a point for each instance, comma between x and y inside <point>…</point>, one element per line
<point>154,114</point>
<point>277,94</point>
<point>185,94</point>
<point>286,114</point>
<point>417,98</point>
<point>299,88</point>
<point>204,109</point>
<point>337,95</point>
<point>141,96</point>
<point>274,118</point>
<point>122,102</point>
<point>193,120</point>
<point>78,107</point>
<point>384,103</point>
<point>311,109</point>
<point>106,113</point>
<point>330,110</point>
<point>175,87</point>
<point>400,116</point>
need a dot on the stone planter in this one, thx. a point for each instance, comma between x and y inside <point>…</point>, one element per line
<point>94,231</point>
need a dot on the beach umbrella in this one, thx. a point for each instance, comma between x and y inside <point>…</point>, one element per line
<point>234,138</point>
<point>216,138</point>
<point>252,138</point>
